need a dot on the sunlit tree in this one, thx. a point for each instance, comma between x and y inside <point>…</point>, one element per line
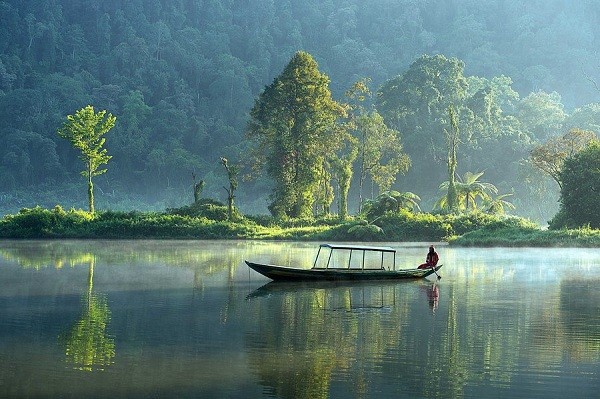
<point>550,156</point>
<point>85,131</point>
<point>542,114</point>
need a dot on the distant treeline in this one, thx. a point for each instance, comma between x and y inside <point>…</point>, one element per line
<point>181,78</point>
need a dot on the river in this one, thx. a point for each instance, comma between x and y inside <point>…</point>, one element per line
<point>141,319</point>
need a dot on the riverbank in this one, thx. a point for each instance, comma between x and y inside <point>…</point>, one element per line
<point>463,230</point>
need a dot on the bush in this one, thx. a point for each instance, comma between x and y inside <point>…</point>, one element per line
<point>38,222</point>
<point>205,207</point>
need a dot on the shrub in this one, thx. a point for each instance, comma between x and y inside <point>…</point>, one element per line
<point>38,222</point>
<point>205,207</point>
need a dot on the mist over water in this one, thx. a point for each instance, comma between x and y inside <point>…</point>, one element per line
<point>188,319</point>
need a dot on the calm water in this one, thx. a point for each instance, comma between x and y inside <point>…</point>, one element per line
<point>188,319</point>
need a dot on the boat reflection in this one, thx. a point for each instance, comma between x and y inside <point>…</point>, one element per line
<point>331,331</point>
<point>351,295</point>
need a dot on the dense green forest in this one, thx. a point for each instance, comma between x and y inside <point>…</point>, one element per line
<point>181,77</point>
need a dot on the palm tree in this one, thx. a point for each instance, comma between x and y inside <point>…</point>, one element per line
<point>497,205</point>
<point>468,189</point>
<point>406,200</point>
<point>391,201</point>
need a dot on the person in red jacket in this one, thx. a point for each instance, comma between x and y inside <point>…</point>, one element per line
<point>431,260</point>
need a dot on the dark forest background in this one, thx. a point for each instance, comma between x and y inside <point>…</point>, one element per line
<point>182,75</point>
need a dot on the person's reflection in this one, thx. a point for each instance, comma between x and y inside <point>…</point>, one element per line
<point>433,296</point>
<point>88,346</point>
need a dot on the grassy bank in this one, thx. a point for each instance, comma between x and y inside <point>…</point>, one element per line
<point>208,221</point>
<point>525,235</point>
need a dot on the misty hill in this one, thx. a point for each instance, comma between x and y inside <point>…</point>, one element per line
<point>181,77</point>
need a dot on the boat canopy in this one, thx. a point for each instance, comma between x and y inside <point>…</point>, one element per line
<point>358,247</point>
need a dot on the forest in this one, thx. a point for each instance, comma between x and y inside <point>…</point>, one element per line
<point>183,77</point>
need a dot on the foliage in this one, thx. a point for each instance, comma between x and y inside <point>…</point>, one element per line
<point>365,232</point>
<point>579,196</point>
<point>543,113</point>
<point>417,103</point>
<point>290,122</point>
<point>85,131</point>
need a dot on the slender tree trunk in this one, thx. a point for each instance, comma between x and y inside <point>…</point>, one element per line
<point>360,189</point>
<point>90,187</point>
<point>90,282</point>
<point>230,207</point>
<point>344,188</point>
<point>452,138</point>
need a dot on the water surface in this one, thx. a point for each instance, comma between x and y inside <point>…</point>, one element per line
<point>189,319</point>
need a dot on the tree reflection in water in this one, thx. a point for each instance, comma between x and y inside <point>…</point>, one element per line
<point>88,345</point>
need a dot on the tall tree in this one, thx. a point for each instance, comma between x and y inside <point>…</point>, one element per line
<point>85,131</point>
<point>290,121</point>
<point>416,103</point>
<point>380,153</point>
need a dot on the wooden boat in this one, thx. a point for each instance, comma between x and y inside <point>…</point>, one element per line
<point>379,266</point>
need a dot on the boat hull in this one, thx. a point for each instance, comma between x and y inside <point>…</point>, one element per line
<point>283,273</point>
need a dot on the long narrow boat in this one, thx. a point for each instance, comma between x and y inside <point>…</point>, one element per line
<point>372,263</point>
